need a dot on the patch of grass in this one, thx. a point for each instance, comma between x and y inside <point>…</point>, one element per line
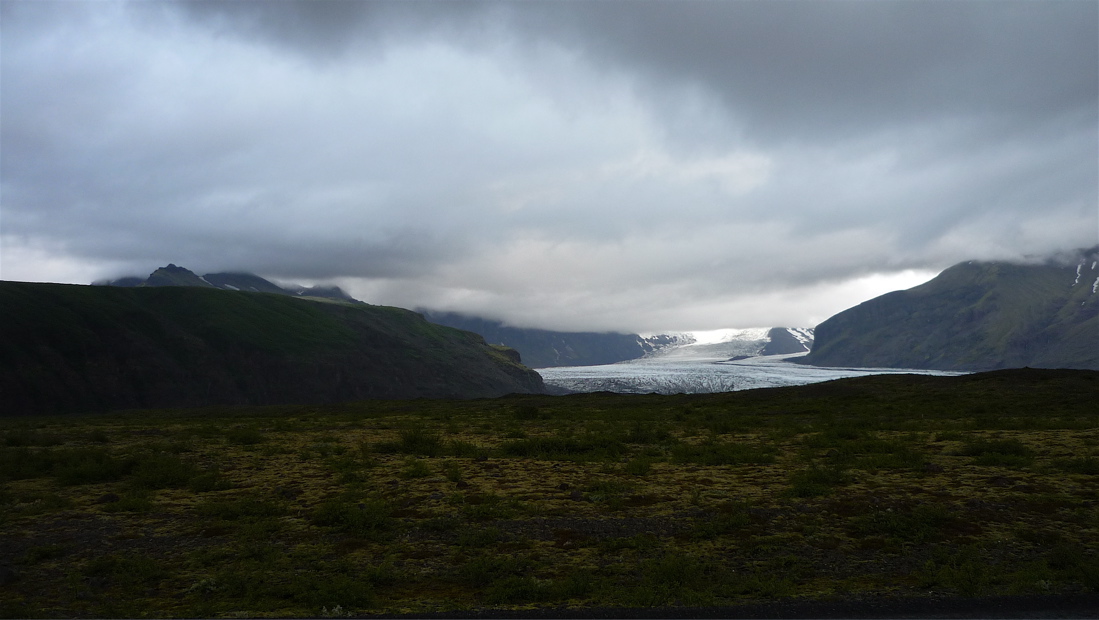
<point>964,571</point>
<point>589,447</point>
<point>648,434</point>
<point>40,553</point>
<point>639,466</point>
<point>161,471</point>
<point>27,438</point>
<point>370,518</point>
<point>233,509</point>
<point>244,436</point>
<point>608,493</point>
<point>488,507</point>
<point>999,452</point>
<point>529,412</point>
<point>816,481</point>
<point>733,518</point>
<point>1088,466</point>
<point>124,570</point>
<point>671,578</point>
<point>465,449</point>
<point>710,453</point>
<point>484,570</point>
<point>478,536</point>
<point>415,468</point>
<point>88,466</point>
<point>415,441</point>
<point>640,542</point>
<point>921,524</point>
<point>37,503</point>
<point>451,471</point>
<point>207,481</point>
<point>133,501</point>
<point>1072,562</point>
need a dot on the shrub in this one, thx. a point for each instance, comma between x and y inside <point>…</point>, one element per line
<point>639,466</point>
<point>815,481</point>
<point>87,466</point>
<point>242,436</point>
<point>368,518</point>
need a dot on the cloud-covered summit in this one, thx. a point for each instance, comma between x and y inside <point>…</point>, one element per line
<point>583,165</point>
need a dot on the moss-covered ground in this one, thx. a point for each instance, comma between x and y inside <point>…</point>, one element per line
<point>892,485</point>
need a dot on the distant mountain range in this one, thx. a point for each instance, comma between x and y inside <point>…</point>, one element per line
<point>71,348</point>
<point>541,348</point>
<point>247,282</point>
<point>975,316</point>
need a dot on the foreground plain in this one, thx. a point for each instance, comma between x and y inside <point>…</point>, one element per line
<point>886,486</point>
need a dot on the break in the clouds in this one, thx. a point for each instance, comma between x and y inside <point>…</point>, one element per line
<point>639,166</point>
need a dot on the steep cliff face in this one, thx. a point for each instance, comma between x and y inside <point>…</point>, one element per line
<point>974,316</point>
<point>83,348</point>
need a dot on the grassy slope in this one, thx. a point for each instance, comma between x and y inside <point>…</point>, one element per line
<point>973,316</point>
<point>878,486</point>
<point>73,348</point>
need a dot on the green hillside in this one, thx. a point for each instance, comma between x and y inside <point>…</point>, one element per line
<point>82,348</point>
<point>973,316</point>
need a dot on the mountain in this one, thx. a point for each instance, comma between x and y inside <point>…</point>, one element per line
<point>975,316</point>
<point>547,349</point>
<point>173,275</point>
<point>727,344</point>
<point>541,348</point>
<point>71,348</point>
<point>787,340</point>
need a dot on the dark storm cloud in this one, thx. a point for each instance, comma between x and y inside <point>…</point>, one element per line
<point>641,165</point>
<point>790,70</point>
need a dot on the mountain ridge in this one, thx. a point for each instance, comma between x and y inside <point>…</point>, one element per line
<point>542,348</point>
<point>74,348</point>
<point>173,275</point>
<point>975,315</point>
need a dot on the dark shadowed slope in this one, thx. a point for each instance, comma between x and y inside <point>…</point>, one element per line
<point>543,348</point>
<point>82,348</point>
<point>974,316</point>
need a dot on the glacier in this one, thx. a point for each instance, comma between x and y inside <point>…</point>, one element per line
<point>724,362</point>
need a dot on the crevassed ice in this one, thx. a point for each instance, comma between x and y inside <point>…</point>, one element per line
<point>693,376</point>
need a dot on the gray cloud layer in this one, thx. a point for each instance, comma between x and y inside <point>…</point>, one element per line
<point>591,165</point>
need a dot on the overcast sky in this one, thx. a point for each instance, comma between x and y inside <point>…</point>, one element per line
<point>637,166</point>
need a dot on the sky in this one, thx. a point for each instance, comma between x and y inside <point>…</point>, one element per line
<point>636,166</point>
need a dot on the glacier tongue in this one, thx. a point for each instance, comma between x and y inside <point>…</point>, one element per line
<point>668,375</point>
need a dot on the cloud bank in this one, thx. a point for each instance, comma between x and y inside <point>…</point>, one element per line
<point>585,165</point>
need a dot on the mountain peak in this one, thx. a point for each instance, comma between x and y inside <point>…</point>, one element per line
<point>174,275</point>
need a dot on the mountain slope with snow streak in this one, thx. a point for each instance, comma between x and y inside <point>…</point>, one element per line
<point>975,316</point>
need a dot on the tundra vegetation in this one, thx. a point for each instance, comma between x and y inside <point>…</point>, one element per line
<point>890,485</point>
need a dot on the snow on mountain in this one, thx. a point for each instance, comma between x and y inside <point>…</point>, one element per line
<point>803,334</point>
<point>720,344</point>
